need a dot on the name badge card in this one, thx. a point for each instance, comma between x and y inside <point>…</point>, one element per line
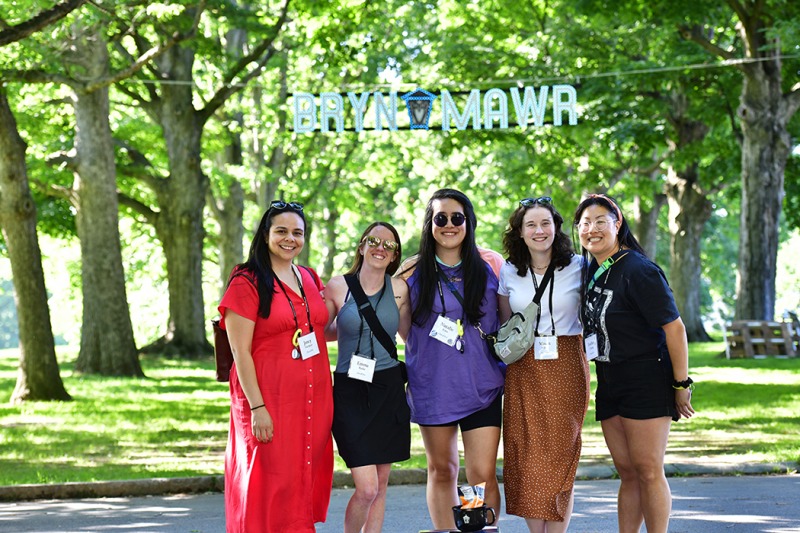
<point>308,345</point>
<point>361,368</point>
<point>592,350</point>
<point>545,347</point>
<point>445,330</point>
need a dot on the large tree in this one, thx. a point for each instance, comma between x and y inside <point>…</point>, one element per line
<point>766,107</point>
<point>181,194</point>
<point>38,377</point>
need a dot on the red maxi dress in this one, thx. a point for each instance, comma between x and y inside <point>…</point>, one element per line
<point>283,485</point>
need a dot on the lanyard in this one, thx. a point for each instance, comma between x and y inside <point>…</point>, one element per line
<point>298,329</point>
<point>606,266</point>
<point>361,325</point>
<point>539,310</point>
<point>454,290</point>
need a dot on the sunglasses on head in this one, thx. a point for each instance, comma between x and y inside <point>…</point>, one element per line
<point>530,202</point>
<point>374,242</point>
<point>456,219</point>
<point>281,205</point>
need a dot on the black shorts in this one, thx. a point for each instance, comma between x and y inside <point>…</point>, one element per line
<point>639,389</point>
<point>491,416</point>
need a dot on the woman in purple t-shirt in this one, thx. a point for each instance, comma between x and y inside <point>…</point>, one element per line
<point>453,380</point>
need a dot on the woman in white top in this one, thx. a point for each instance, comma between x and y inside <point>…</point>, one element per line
<point>547,391</point>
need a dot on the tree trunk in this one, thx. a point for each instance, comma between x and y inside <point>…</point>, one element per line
<point>329,247</point>
<point>38,377</point>
<point>689,210</point>
<point>107,344</point>
<point>646,227</point>
<point>182,199</point>
<point>229,214</point>
<point>765,148</point>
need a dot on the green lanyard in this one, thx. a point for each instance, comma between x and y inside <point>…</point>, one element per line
<point>607,264</point>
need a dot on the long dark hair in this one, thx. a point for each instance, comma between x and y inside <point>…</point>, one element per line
<point>359,259</point>
<point>473,267</point>
<point>258,261</point>
<point>517,251</point>
<point>624,235</point>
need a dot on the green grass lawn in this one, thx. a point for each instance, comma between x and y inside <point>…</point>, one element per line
<point>174,423</point>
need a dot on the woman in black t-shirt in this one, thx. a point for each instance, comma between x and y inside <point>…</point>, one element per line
<point>635,335</point>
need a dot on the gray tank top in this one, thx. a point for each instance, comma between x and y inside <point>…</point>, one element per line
<point>348,323</point>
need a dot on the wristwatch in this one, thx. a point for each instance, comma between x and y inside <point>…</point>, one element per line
<point>688,383</point>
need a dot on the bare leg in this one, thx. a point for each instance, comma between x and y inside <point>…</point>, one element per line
<point>441,450</point>
<point>376,511</point>
<point>367,490</point>
<point>480,461</point>
<point>637,448</point>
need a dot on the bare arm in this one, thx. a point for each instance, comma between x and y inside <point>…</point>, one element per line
<point>678,347</point>
<point>334,295</point>
<point>504,307</point>
<point>240,335</point>
<point>400,289</point>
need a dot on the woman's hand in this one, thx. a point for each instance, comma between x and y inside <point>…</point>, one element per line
<point>262,425</point>
<point>683,402</point>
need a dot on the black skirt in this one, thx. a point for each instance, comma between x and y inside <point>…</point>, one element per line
<point>371,421</point>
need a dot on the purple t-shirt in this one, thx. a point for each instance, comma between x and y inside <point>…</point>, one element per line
<point>445,385</point>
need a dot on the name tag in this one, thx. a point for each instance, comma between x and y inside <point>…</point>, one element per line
<point>361,368</point>
<point>590,343</point>
<point>445,330</point>
<point>545,347</point>
<point>308,345</point>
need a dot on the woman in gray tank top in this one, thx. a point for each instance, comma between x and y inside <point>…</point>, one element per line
<point>371,420</point>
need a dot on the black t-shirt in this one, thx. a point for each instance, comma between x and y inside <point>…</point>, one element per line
<point>626,307</point>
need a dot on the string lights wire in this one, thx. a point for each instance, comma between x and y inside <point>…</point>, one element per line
<point>521,81</point>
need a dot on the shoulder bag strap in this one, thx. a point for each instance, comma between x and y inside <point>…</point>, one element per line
<point>365,308</point>
<point>548,276</point>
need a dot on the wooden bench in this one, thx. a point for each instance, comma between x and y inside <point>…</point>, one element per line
<point>755,338</point>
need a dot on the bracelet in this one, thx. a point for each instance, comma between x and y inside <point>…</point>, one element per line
<point>688,383</point>
<point>258,407</point>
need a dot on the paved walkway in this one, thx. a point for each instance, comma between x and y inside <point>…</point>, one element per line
<point>732,504</point>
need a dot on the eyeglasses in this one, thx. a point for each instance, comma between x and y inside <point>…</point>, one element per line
<point>530,202</point>
<point>281,205</point>
<point>373,242</point>
<point>601,224</point>
<point>456,219</point>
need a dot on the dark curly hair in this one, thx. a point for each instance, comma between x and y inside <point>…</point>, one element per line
<point>517,251</point>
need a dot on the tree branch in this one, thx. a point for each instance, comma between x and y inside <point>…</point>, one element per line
<point>38,22</point>
<point>793,100</point>
<point>229,88</point>
<point>138,207</point>
<point>150,54</point>
<point>695,34</point>
<point>35,76</point>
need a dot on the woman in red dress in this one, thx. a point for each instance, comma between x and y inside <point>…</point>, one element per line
<point>279,459</point>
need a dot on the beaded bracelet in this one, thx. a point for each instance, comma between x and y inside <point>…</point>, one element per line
<point>258,407</point>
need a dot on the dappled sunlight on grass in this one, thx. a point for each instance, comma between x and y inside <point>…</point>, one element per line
<point>175,421</point>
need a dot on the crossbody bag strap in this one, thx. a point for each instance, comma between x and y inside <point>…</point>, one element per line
<point>368,311</point>
<point>548,276</point>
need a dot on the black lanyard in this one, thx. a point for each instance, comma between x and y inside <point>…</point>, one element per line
<point>361,326</point>
<point>460,323</point>
<point>539,310</point>
<point>305,301</point>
